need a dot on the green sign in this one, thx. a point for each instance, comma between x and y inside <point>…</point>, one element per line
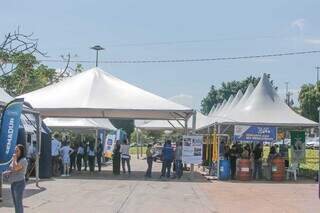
<point>298,145</point>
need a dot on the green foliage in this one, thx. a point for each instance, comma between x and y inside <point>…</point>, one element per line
<point>27,76</point>
<point>216,96</point>
<point>126,125</point>
<point>309,98</point>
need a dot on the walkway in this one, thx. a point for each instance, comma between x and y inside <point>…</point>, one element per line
<point>104,192</point>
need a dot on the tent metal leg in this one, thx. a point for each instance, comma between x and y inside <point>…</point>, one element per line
<point>137,142</point>
<point>38,122</point>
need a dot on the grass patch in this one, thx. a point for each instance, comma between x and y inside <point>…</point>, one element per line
<point>133,150</point>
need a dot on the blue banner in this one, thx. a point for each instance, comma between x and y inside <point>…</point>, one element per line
<point>10,121</point>
<point>255,133</point>
<point>102,135</point>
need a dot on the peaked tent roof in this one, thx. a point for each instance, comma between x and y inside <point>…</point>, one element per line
<point>222,112</point>
<point>79,123</point>
<point>212,110</point>
<point>172,124</point>
<point>265,107</point>
<point>216,109</point>
<point>95,94</point>
<point>245,97</point>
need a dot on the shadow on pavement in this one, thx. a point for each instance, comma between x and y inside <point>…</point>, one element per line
<point>7,198</point>
<point>134,176</point>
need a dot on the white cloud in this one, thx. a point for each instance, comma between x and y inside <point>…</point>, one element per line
<point>312,41</point>
<point>299,24</point>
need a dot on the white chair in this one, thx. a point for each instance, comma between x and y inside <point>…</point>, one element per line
<point>293,169</point>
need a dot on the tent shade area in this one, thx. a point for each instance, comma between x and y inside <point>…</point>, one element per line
<point>79,123</point>
<point>159,125</point>
<point>97,94</point>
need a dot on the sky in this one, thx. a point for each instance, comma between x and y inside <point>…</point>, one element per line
<point>155,30</point>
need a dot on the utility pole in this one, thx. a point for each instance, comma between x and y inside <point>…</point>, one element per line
<point>287,93</point>
<point>288,100</point>
<point>97,48</point>
<point>317,69</point>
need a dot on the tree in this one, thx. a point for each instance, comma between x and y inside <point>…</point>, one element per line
<point>309,98</point>
<point>126,125</point>
<point>216,96</point>
<point>20,69</point>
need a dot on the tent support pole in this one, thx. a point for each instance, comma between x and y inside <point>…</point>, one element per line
<point>141,149</point>
<point>218,140</point>
<point>137,142</point>
<point>38,122</point>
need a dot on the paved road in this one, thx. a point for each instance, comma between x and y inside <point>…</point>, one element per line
<point>104,192</point>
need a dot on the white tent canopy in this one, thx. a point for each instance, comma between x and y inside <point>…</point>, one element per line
<point>79,123</point>
<point>95,94</point>
<point>173,124</point>
<point>258,106</point>
<point>265,107</point>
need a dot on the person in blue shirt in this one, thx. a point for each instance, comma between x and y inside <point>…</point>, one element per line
<point>167,158</point>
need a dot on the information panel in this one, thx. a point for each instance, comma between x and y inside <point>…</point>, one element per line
<point>192,149</point>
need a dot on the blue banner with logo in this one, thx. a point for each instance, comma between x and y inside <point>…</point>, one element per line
<point>255,133</point>
<point>10,121</point>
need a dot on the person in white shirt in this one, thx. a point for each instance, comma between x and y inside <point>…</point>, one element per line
<point>65,153</point>
<point>55,148</point>
<point>125,156</point>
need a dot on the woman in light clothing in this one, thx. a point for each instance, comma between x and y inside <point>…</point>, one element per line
<point>16,175</point>
<point>65,153</point>
<point>125,156</point>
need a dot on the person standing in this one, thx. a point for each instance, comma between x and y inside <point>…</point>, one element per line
<point>65,153</point>
<point>149,154</point>
<point>125,156</point>
<point>257,160</point>
<point>80,153</point>
<point>16,176</point>
<point>233,161</point>
<point>178,159</point>
<point>55,148</point>
<point>73,156</point>
<point>167,157</point>
<point>91,158</point>
<point>116,158</point>
<point>85,156</point>
<point>99,154</point>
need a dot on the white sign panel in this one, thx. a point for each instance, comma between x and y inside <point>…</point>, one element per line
<point>192,149</point>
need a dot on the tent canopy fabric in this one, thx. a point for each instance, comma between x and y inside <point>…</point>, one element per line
<point>79,123</point>
<point>97,94</point>
<point>259,106</point>
<point>265,107</point>
<point>173,124</point>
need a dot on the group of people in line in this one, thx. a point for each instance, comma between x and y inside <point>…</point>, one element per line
<point>239,151</point>
<point>169,157</point>
<point>66,158</point>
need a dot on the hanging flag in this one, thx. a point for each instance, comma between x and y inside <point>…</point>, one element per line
<point>10,121</point>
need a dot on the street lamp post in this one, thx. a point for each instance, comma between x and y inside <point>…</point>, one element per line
<point>97,48</point>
